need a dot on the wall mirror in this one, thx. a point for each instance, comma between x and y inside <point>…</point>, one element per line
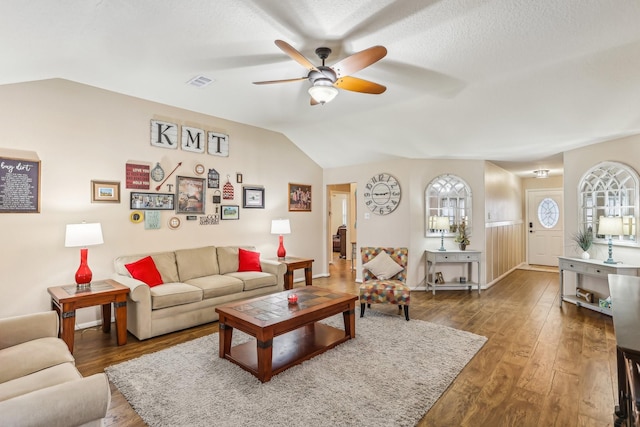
<point>447,196</point>
<point>609,189</point>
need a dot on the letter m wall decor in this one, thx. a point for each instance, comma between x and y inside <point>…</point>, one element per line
<point>164,134</point>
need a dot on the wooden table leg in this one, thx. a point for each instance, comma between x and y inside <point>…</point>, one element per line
<point>349,317</point>
<point>307,276</point>
<point>68,324</point>
<point>106,318</point>
<point>225,333</point>
<point>264,343</point>
<point>288,279</point>
<point>121,321</point>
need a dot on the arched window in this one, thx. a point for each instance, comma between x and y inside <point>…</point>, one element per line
<point>609,189</point>
<point>447,196</point>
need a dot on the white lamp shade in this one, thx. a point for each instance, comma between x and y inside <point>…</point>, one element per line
<point>610,226</point>
<point>83,235</point>
<point>442,223</point>
<point>280,226</point>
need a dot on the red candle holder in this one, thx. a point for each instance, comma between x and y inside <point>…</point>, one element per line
<point>293,298</point>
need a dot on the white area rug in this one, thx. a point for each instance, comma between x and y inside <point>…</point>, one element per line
<point>389,375</point>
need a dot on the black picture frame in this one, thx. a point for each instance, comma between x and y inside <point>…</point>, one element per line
<point>253,197</point>
<point>152,201</point>
<point>229,212</point>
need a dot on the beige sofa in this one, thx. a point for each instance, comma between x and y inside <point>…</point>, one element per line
<point>39,383</point>
<point>195,281</point>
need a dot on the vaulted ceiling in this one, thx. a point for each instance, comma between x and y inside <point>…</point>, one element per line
<point>512,81</point>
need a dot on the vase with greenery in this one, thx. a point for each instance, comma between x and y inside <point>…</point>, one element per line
<point>584,239</point>
<point>462,238</point>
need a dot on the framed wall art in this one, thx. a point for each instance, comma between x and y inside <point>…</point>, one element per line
<point>190,195</point>
<point>152,201</point>
<point>230,212</point>
<point>105,191</point>
<point>299,198</point>
<point>20,185</point>
<point>253,197</point>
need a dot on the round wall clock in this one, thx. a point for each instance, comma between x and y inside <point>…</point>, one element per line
<point>199,169</point>
<point>174,222</point>
<point>157,173</point>
<point>382,194</point>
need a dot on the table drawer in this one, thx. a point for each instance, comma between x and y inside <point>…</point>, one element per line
<point>578,267</point>
<point>600,270</point>
<point>468,257</point>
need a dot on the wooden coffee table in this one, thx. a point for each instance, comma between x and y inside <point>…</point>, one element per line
<point>285,334</point>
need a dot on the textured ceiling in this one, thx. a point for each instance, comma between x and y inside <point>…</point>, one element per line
<point>513,81</point>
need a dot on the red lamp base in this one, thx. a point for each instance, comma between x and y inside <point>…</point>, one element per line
<point>84,274</point>
<point>281,252</point>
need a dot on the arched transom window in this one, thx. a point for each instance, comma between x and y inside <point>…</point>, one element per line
<point>609,189</point>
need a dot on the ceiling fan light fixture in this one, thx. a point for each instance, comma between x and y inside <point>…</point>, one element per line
<point>323,91</point>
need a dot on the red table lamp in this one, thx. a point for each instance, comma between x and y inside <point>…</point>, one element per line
<point>83,235</point>
<point>281,226</point>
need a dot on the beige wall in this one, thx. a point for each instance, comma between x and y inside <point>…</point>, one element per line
<point>81,133</point>
<point>406,225</point>
<point>576,163</point>
<point>504,226</point>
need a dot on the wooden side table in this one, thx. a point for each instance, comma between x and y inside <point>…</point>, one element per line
<point>66,299</point>
<point>293,264</point>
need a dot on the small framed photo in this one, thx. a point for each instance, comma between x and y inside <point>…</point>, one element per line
<point>239,178</point>
<point>190,195</point>
<point>230,212</point>
<point>105,191</point>
<point>253,197</point>
<point>439,279</point>
<point>152,201</point>
<point>299,198</point>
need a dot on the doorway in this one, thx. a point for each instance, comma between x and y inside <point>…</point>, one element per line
<point>341,223</point>
<point>545,233</point>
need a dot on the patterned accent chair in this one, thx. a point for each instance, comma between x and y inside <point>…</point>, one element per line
<point>385,291</point>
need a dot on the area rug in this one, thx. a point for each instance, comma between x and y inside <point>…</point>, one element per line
<point>389,375</point>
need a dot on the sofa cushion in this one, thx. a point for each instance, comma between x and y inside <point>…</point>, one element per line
<point>248,260</point>
<point>170,294</point>
<point>165,263</point>
<point>255,279</point>
<point>32,356</point>
<point>196,262</point>
<point>228,258</point>
<point>35,381</point>
<point>217,285</point>
<point>145,270</point>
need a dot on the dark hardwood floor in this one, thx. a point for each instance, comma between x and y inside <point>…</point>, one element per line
<point>542,365</point>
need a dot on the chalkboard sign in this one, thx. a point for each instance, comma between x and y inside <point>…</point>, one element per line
<point>19,186</point>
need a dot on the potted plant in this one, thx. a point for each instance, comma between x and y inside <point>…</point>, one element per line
<point>584,239</point>
<point>462,238</point>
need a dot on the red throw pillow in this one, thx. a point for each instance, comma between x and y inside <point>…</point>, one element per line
<point>145,270</point>
<point>248,260</point>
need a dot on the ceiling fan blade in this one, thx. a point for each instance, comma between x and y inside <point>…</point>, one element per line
<point>359,60</point>
<point>355,84</point>
<point>295,55</point>
<point>269,82</point>
<point>313,101</point>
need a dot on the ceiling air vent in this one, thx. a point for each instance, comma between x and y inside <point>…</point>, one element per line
<point>200,81</point>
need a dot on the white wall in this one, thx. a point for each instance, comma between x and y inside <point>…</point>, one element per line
<point>80,134</point>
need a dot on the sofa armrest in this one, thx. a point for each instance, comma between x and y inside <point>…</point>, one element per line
<point>139,289</point>
<point>19,329</point>
<point>71,403</point>
<point>276,268</point>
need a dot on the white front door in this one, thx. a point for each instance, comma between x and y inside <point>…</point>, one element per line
<point>544,226</point>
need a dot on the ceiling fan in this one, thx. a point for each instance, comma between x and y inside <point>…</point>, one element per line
<point>327,80</point>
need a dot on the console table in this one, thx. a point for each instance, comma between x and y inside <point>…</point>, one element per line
<point>592,268</point>
<point>625,296</point>
<point>433,257</point>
